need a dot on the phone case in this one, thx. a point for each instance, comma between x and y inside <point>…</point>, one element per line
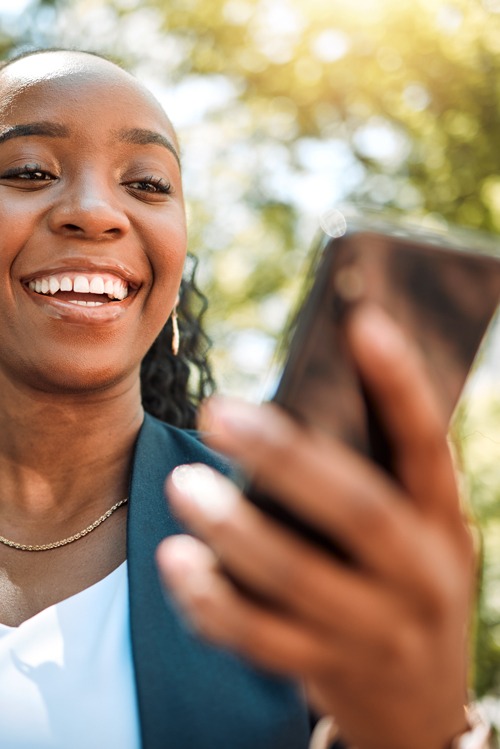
<point>442,295</point>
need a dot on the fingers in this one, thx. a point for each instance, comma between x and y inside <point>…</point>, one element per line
<point>281,567</point>
<point>265,558</point>
<point>309,473</point>
<point>395,375</point>
<point>219,611</point>
<point>215,608</point>
<point>326,484</point>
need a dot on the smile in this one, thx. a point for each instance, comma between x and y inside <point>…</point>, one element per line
<point>85,289</point>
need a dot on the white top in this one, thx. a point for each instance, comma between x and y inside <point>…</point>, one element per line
<point>66,674</point>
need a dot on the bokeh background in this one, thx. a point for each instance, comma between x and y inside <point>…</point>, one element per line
<point>285,108</point>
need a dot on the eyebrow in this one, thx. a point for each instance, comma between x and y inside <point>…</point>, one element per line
<point>137,136</point>
<point>49,129</point>
<point>141,137</point>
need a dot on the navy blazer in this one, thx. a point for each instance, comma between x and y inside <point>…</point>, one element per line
<point>191,695</point>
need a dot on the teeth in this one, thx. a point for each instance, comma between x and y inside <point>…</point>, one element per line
<point>53,285</point>
<point>81,303</point>
<point>97,285</point>
<point>81,285</point>
<point>116,290</point>
<point>119,290</point>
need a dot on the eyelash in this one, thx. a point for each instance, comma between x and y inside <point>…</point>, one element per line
<point>160,185</point>
<point>30,169</point>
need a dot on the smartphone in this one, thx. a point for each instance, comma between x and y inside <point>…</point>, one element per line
<point>442,288</point>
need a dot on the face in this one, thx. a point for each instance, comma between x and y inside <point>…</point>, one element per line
<point>93,233</point>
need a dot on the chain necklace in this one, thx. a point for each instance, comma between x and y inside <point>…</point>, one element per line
<point>65,541</point>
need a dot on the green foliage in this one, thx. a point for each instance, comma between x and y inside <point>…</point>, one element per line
<point>410,89</point>
<point>288,106</point>
<point>477,428</point>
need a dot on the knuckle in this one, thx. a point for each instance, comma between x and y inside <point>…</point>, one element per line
<point>221,525</point>
<point>428,441</point>
<point>370,518</point>
<point>433,438</point>
<point>280,449</point>
<point>202,598</point>
<point>308,659</point>
<point>398,645</point>
<point>281,441</point>
<point>443,591</point>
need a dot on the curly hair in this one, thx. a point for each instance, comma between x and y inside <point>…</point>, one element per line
<point>172,386</point>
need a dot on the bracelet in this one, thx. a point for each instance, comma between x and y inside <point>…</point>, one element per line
<point>324,734</point>
<point>478,735</point>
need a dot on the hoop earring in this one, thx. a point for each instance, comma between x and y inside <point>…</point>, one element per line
<point>175,329</point>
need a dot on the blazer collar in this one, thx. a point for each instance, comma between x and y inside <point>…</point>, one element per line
<point>190,694</point>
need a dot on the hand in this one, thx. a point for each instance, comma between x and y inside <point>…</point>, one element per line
<point>381,643</point>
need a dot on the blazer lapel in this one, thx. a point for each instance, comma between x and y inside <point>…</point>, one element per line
<point>190,694</point>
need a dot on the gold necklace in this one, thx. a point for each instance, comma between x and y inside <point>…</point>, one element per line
<point>65,541</point>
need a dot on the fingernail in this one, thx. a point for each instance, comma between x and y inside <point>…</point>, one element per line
<point>205,490</point>
<point>178,571</point>
<point>380,329</point>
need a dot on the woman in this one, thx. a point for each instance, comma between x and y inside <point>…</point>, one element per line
<point>93,249</point>
<point>92,256</point>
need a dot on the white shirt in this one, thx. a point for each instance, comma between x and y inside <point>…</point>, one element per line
<point>66,674</point>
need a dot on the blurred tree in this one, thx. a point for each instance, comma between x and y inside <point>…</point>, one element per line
<point>476,435</point>
<point>22,24</point>
<point>303,103</point>
<point>285,107</point>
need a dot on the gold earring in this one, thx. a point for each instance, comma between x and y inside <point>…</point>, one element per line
<point>175,329</point>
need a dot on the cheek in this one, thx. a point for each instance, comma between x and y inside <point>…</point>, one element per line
<point>16,230</point>
<point>167,256</point>
<point>170,247</point>
<point>21,225</point>
<point>18,224</point>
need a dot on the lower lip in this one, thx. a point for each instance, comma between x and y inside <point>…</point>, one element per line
<point>77,313</point>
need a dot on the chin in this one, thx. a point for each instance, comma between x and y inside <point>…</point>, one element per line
<point>79,378</point>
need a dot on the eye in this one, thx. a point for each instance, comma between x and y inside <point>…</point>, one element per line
<point>26,174</point>
<point>151,185</point>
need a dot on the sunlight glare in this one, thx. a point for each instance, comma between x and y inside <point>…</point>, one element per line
<point>10,8</point>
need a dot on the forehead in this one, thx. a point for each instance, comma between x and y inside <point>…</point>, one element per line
<point>77,86</point>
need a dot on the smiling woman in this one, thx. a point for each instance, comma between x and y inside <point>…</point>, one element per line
<point>92,648</point>
<point>91,266</point>
<point>160,373</point>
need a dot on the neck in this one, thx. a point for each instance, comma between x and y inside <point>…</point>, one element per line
<point>65,455</point>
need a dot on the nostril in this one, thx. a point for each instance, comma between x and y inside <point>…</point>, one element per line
<point>74,228</point>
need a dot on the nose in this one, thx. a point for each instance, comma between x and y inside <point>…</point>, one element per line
<point>89,209</point>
